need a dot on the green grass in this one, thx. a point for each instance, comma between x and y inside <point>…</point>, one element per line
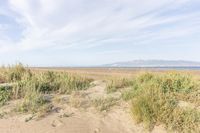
<point>104,104</point>
<point>34,102</point>
<point>69,83</point>
<point>51,82</point>
<point>117,83</point>
<point>5,94</point>
<point>154,97</point>
<point>16,73</point>
<point>155,101</point>
<point>31,87</point>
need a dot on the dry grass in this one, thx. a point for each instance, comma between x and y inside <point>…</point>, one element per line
<point>104,104</point>
<point>5,94</point>
<point>154,97</point>
<point>115,84</point>
<point>155,100</point>
<point>31,87</point>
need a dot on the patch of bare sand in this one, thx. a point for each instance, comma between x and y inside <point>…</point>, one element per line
<point>67,119</point>
<point>79,122</point>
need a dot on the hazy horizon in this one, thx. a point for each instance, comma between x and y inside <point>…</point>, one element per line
<point>92,32</point>
<point>142,63</point>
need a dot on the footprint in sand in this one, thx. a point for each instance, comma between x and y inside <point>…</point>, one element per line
<point>57,123</point>
<point>97,130</point>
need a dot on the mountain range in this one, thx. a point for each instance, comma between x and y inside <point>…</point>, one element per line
<point>155,63</point>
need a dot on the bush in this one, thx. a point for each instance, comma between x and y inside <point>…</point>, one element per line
<point>128,94</point>
<point>46,82</point>
<point>104,104</point>
<point>145,77</point>
<point>15,73</point>
<point>31,87</point>
<point>184,121</point>
<point>69,83</point>
<point>150,105</point>
<point>177,83</point>
<point>5,93</point>
<point>155,101</point>
<point>114,84</point>
<point>34,102</point>
<point>51,82</point>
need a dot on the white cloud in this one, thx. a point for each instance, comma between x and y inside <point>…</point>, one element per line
<point>67,23</point>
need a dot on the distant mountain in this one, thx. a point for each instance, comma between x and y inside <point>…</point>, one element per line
<point>155,63</point>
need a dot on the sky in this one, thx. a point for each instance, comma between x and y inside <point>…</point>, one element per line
<point>94,32</point>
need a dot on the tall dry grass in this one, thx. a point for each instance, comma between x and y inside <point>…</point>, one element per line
<point>31,87</point>
<point>155,100</point>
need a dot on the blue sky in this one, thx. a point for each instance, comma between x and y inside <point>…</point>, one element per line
<point>93,32</point>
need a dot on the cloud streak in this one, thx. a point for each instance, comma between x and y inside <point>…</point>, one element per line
<point>90,24</point>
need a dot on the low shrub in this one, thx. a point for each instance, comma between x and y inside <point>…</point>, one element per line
<point>145,77</point>
<point>34,102</point>
<point>5,94</point>
<point>115,84</point>
<point>155,101</point>
<point>50,82</point>
<point>16,73</point>
<point>104,104</point>
<point>31,86</point>
<point>175,82</point>
<point>69,83</point>
<point>150,106</point>
<point>184,121</point>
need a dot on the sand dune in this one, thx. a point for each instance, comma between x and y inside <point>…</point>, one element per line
<point>68,119</point>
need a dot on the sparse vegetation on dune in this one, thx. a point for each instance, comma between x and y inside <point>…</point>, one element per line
<point>34,102</point>
<point>171,99</point>
<point>104,104</point>
<point>15,73</point>
<point>115,84</point>
<point>31,87</point>
<point>5,94</point>
<point>155,100</point>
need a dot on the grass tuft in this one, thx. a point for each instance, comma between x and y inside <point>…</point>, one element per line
<point>116,83</point>
<point>104,104</point>
<point>5,94</point>
<point>32,86</point>
<point>155,101</point>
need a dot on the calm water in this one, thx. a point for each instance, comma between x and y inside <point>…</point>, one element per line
<point>165,68</point>
<point>126,68</point>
